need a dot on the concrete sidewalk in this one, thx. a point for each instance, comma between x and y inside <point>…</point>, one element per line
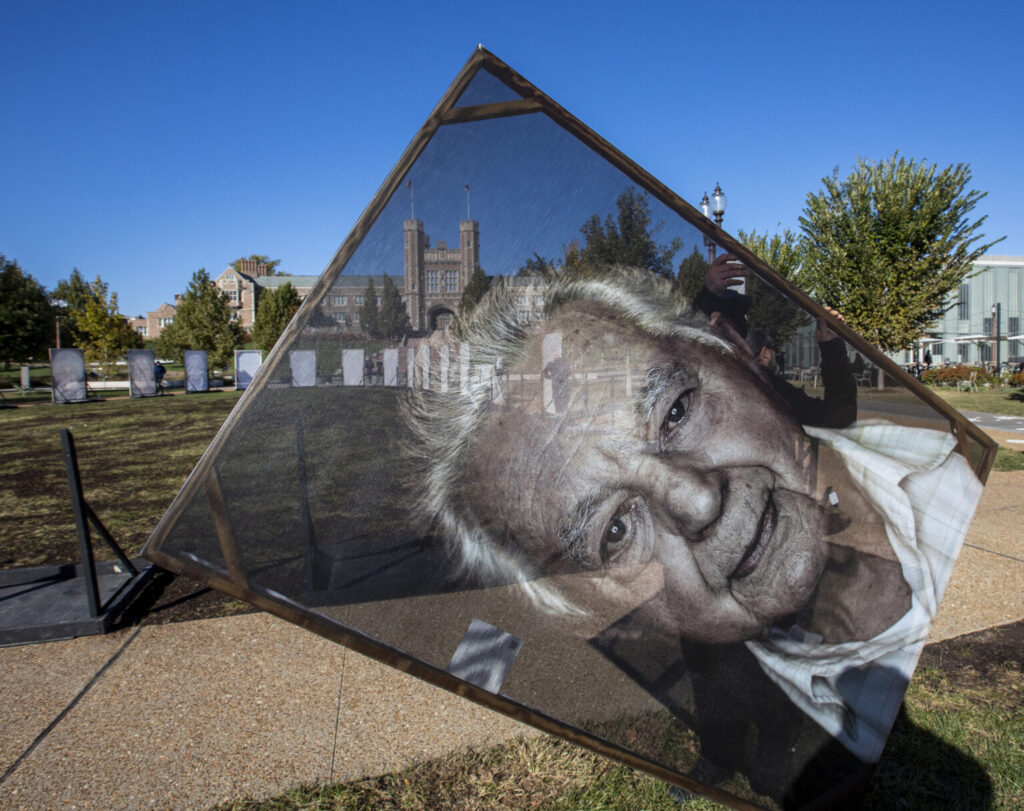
<point>190,714</point>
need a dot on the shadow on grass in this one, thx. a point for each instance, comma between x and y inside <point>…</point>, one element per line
<point>921,770</point>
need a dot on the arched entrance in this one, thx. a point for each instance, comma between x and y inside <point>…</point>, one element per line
<point>441,318</point>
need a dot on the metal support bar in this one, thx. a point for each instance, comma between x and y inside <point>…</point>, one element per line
<point>102,530</point>
<point>79,508</point>
<point>228,547</point>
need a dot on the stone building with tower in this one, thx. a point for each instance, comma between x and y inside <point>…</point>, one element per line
<point>435,277</point>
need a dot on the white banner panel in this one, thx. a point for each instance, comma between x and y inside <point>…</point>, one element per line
<point>67,367</point>
<point>410,367</point>
<point>464,367</point>
<point>352,367</point>
<point>425,365</point>
<point>141,373</point>
<point>444,369</point>
<point>197,376</point>
<point>390,367</point>
<point>247,363</point>
<point>303,363</point>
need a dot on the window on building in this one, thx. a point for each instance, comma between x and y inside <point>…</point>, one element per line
<point>340,301</point>
<point>963,308</point>
<point>963,352</point>
<point>232,296</point>
<point>540,301</point>
<point>164,322</point>
<point>340,318</point>
<point>1013,325</point>
<point>378,301</point>
<point>451,281</point>
<point>521,300</point>
<point>986,326</point>
<point>355,316</point>
<point>524,316</point>
<point>985,352</point>
<point>938,350</point>
<point>432,281</point>
<point>359,300</point>
<point>142,330</point>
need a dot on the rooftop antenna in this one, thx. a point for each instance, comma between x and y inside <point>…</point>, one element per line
<point>412,202</point>
<point>467,203</point>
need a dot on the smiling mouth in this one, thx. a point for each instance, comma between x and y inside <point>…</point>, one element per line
<point>755,550</point>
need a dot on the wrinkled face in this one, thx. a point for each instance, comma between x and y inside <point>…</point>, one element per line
<point>692,469</point>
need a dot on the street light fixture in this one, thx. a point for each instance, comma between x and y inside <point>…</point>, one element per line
<point>713,208</point>
<point>59,304</point>
<point>996,313</point>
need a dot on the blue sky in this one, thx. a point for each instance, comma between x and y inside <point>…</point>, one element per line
<point>142,141</point>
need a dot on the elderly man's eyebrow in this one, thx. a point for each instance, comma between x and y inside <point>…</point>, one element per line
<point>572,532</point>
<point>659,378</point>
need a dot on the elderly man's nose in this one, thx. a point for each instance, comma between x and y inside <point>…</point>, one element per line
<point>690,498</point>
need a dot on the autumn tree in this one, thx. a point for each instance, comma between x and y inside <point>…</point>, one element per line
<point>887,244</point>
<point>74,291</point>
<point>104,335</point>
<point>26,318</point>
<point>273,313</point>
<point>203,319</point>
<point>393,318</point>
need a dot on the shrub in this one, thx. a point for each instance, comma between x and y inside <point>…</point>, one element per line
<point>951,375</point>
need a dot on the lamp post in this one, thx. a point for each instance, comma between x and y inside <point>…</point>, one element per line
<point>996,313</point>
<point>713,208</point>
<point>59,304</point>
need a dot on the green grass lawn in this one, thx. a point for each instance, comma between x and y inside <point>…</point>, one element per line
<point>992,401</point>
<point>133,455</point>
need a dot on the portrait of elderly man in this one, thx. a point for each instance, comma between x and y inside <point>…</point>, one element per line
<point>679,494</point>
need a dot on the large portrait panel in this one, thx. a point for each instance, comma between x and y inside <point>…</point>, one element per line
<point>598,501</point>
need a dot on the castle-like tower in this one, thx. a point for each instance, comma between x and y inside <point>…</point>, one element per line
<point>435,277</point>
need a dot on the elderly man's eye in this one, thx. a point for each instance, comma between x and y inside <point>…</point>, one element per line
<point>618,535</point>
<point>677,411</point>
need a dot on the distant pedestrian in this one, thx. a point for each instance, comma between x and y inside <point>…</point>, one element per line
<point>159,371</point>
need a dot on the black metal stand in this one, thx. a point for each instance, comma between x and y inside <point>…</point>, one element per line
<point>84,515</point>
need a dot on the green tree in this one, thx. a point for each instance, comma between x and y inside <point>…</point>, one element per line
<point>627,239</point>
<point>103,333</point>
<point>26,318</point>
<point>368,310</point>
<point>476,288</point>
<point>886,245</point>
<point>769,309</point>
<point>692,272</point>
<point>537,265</point>
<point>75,291</point>
<point>258,257</point>
<point>393,319</point>
<point>274,311</point>
<point>203,319</point>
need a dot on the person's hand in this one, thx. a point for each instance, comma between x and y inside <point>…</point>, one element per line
<point>824,332</point>
<point>725,272</point>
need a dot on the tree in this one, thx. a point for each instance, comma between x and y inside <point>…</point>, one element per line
<point>537,265</point>
<point>889,243</point>
<point>393,319</point>
<point>692,272</point>
<point>75,291</point>
<point>628,239</point>
<point>368,310</point>
<point>26,318</point>
<point>274,311</point>
<point>103,333</point>
<point>203,319</point>
<point>476,288</point>
<point>769,309</point>
<point>258,257</point>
